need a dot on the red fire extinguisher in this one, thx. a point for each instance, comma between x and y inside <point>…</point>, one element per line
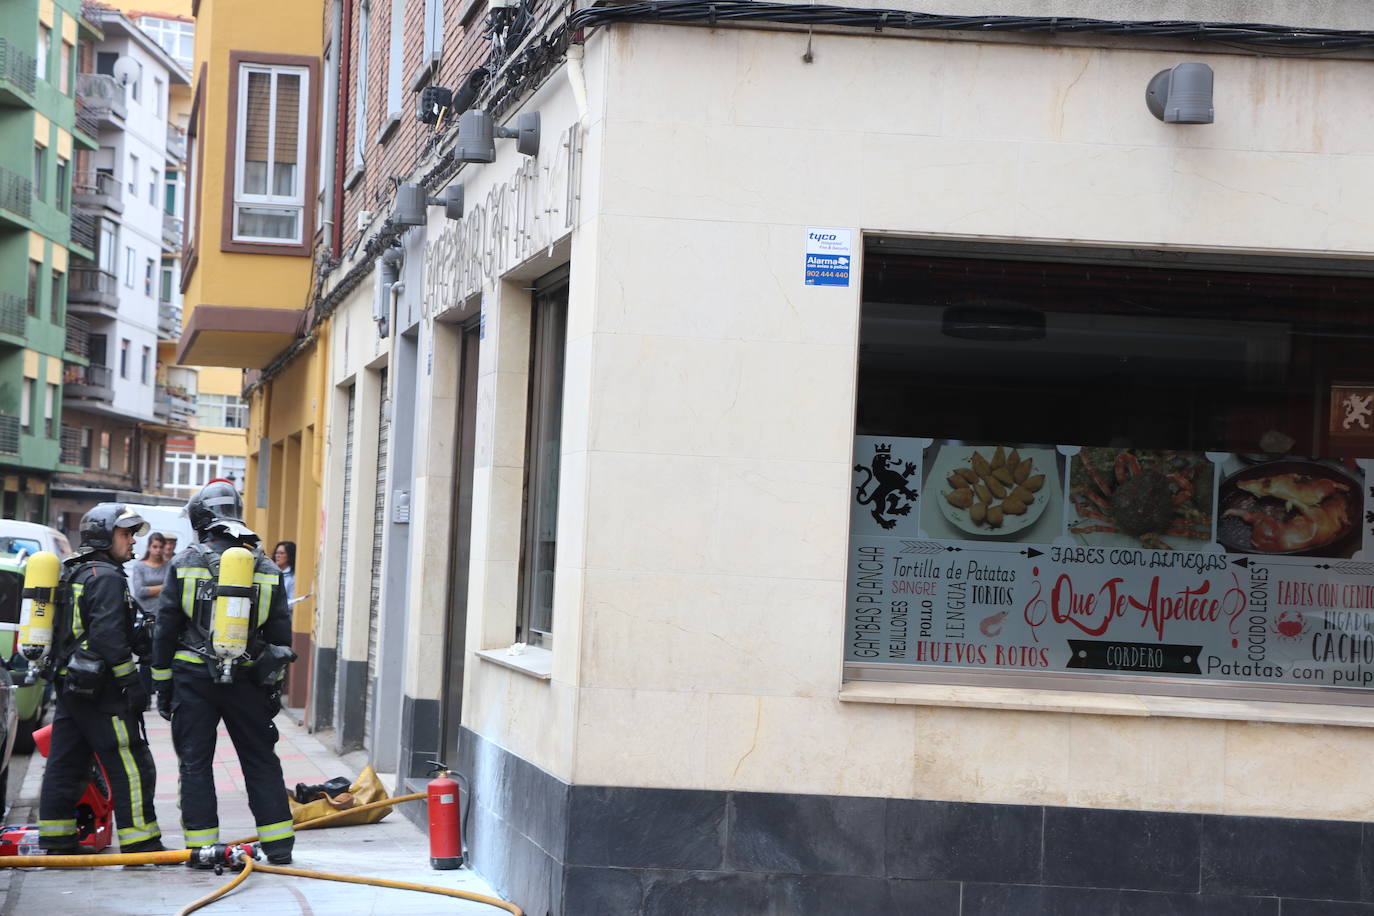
<point>445,825</point>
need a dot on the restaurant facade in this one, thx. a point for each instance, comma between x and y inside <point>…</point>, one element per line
<point>853,469</point>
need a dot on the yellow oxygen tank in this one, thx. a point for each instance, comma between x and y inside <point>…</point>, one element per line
<point>233,609</point>
<point>40,599</point>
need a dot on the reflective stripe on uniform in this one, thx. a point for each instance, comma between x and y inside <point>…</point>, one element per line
<point>186,655</point>
<point>57,828</point>
<point>135,782</point>
<point>124,669</point>
<point>129,835</point>
<point>202,837</point>
<point>161,674</point>
<point>78,628</point>
<point>190,576</point>
<point>265,582</point>
<point>282,830</point>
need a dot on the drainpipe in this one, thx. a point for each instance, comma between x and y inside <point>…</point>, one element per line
<point>392,259</point>
<point>332,155</point>
<point>341,126</point>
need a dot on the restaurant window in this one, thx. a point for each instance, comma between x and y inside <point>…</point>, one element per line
<point>269,190</point>
<point>104,456</point>
<point>543,446</point>
<point>1082,472</point>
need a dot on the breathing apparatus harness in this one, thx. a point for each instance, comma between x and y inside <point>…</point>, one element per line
<point>220,629</point>
<point>50,612</point>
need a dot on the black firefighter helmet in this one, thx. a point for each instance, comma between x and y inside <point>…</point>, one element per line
<point>98,525</point>
<point>218,507</point>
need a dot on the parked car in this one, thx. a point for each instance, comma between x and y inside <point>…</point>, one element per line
<point>27,699</point>
<point>28,538</point>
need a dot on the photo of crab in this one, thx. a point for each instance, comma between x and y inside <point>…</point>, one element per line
<point>1002,492</point>
<point>1136,497</point>
<point>1301,506</point>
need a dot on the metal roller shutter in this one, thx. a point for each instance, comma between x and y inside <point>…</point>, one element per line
<point>378,529</point>
<point>345,540</point>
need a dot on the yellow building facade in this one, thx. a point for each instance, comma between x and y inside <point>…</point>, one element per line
<point>246,277</point>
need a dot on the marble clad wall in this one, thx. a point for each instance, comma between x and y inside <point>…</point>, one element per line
<point>719,431</point>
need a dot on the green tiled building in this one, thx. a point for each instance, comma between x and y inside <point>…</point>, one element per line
<point>41,137</point>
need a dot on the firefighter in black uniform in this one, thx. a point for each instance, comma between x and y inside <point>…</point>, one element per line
<point>186,672</point>
<point>100,699</point>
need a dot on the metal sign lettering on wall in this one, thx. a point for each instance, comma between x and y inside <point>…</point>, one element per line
<point>1215,567</point>
<point>530,211</point>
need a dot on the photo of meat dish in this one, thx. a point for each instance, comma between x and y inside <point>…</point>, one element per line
<point>1290,507</point>
<point>1157,498</point>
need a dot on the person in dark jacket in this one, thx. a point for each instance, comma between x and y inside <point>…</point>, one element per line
<point>193,693</point>
<point>100,700</point>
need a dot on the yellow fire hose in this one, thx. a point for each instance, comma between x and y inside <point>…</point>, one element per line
<point>174,856</point>
<point>250,867</point>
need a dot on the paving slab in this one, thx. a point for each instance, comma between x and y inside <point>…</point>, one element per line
<point>393,849</point>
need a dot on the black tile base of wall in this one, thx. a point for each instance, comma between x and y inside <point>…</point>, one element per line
<point>350,705</point>
<point>560,850</point>
<point>322,689</point>
<point>419,746</point>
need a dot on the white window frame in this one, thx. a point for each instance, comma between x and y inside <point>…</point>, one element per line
<point>394,63</point>
<point>360,110</point>
<point>44,50</point>
<point>277,201</point>
<point>130,265</point>
<point>26,407</point>
<point>133,175</point>
<point>213,411</point>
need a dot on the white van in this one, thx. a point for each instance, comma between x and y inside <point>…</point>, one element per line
<point>166,520</point>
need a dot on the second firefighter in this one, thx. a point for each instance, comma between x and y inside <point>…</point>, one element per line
<point>199,685</point>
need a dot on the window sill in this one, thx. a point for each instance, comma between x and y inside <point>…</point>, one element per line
<point>352,177</point>
<point>533,662</point>
<point>393,119</point>
<point>424,74</point>
<point>1103,704</point>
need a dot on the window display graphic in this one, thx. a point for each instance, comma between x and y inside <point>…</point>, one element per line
<point>1213,567</point>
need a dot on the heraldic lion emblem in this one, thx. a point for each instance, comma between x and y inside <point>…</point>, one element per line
<point>890,487</point>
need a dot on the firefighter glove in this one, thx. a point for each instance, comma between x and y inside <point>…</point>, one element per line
<point>135,698</point>
<point>164,702</point>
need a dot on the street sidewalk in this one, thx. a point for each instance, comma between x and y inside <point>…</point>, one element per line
<point>393,849</point>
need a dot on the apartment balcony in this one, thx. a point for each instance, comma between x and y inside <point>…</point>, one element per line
<point>173,407</point>
<point>168,320</point>
<point>97,191</point>
<point>78,342</point>
<point>88,383</point>
<point>105,98</point>
<point>71,453</point>
<point>18,74</point>
<point>14,312</point>
<point>87,131</point>
<point>176,143</point>
<point>83,231</point>
<point>171,232</point>
<point>9,435</point>
<point>90,289</point>
<point>16,199</point>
